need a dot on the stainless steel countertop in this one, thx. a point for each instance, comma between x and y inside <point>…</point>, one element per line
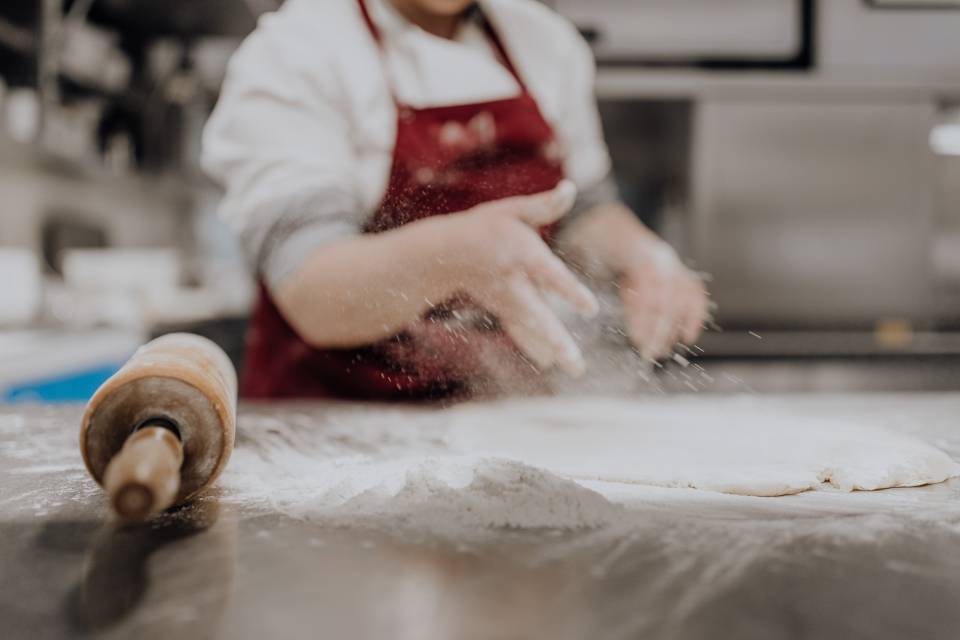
<point>883,565</point>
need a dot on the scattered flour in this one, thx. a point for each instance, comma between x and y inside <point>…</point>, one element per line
<point>568,465</point>
<point>38,452</point>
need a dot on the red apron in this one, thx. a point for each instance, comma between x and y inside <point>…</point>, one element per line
<point>446,159</point>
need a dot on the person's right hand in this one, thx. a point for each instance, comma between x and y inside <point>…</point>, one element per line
<point>495,255</point>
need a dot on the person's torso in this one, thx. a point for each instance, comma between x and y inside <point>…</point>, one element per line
<point>424,71</point>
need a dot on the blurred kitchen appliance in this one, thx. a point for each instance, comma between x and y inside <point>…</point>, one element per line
<point>728,33</point>
<point>915,4</point>
<point>20,294</point>
<point>945,135</point>
<point>818,211</point>
<point>817,196</point>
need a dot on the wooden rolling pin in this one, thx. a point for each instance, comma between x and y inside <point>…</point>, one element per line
<point>162,429</point>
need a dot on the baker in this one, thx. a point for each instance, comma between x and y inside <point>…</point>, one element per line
<point>405,175</point>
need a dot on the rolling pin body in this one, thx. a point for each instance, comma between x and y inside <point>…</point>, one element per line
<point>162,429</point>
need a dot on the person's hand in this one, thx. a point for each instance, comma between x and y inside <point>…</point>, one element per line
<point>664,302</point>
<point>494,255</point>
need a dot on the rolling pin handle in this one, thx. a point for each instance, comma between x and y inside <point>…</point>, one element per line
<point>144,477</point>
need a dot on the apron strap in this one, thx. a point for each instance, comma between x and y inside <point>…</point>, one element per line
<point>505,59</point>
<point>487,27</point>
<point>378,40</point>
<point>371,25</point>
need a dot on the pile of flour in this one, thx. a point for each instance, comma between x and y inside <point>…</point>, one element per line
<point>445,495</point>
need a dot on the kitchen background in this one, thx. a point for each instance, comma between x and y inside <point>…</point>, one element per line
<point>805,153</point>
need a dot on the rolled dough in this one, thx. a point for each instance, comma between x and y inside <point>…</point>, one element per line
<point>735,450</point>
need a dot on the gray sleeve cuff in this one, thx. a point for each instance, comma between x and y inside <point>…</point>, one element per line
<point>278,241</point>
<point>603,192</point>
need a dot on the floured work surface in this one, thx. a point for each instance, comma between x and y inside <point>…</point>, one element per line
<point>562,464</point>
<point>622,560</point>
<point>310,535</point>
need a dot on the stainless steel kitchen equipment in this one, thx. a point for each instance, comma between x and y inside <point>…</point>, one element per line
<point>811,192</point>
<point>694,32</point>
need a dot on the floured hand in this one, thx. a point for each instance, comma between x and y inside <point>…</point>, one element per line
<point>664,302</point>
<point>495,256</point>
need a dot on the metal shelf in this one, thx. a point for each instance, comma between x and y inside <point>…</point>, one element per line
<point>32,159</point>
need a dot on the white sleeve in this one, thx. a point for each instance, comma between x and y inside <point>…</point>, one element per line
<point>587,159</point>
<point>281,149</point>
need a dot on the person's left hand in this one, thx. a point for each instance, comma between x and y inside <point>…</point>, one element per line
<point>664,302</point>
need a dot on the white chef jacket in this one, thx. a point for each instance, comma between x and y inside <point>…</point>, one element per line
<point>302,138</point>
